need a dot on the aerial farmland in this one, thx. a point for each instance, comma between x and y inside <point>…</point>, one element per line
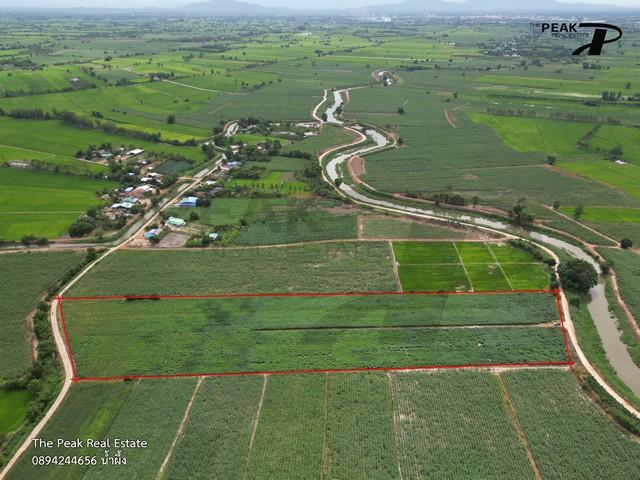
<point>261,242</point>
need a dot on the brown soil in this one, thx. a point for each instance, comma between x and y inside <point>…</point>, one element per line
<point>356,168</point>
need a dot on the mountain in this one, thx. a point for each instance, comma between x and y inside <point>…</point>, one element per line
<point>230,8</point>
<point>424,7</point>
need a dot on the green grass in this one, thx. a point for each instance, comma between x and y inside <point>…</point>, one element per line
<point>330,136</point>
<point>271,182</point>
<point>28,275</point>
<point>625,177</point>
<point>13,409</point>
<point>568,435</point>
<point>553,137</point>
<point>260,334</point>
<point>606,214</point>
<point>445,266</point>
<point>330,267</point>
<point>627,137</point>
<point>43,204</point>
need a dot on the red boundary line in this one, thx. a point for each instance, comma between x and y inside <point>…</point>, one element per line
<point>77,379</point>
<point>289,294</point>
<point>66,337</point>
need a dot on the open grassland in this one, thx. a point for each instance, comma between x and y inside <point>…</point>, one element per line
<point>553,137</point>
<point>43,204</point>
<point>628,138</point>
<point>439,425</point>
<point>469,266</point>
<point>568,435</point>
<point>617,223</point>
<point>624,177</point>
<point>25,276</point>
<point>330,136</point>
<point>13,409</point>
<point>330,267</point>
<point>260,334</point>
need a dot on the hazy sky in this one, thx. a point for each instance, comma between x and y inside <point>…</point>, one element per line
<point>276,3</point>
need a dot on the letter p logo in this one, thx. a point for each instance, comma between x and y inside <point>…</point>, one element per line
<point>598,39</point>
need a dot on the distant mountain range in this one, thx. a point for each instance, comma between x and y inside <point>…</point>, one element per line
<point>407,7</point>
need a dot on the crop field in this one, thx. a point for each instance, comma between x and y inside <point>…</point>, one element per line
<point>438,425</point>
<point>563,414</point>
<point>329,267</point>
<point>460,266</point>
<point>624,177</point>
<point>166,336</point>
<point>399,228</point>
<point>19,295</point>
<point>43,204</point>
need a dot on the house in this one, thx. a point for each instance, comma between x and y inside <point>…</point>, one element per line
<point>142,190</point>
<point>151,233</point>
<point>122,206</point>
<point>130,199</point>
<point>128,189</point>
<point>135,151</point>
<point>213,236</point>
<point>188,202</point>
<point>175,222</point>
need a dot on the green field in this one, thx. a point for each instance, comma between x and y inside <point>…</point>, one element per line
<point>624,177</point>
<point>440,425</point>
<point>330,267</point>
<point>553,137</point>
<point>33,274</point>
<point>399,228</point>
<point>260,334</point>
<point>13,409</point>
<point>42,204</point>
<point>464,266</point>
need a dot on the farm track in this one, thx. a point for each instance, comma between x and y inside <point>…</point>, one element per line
<point>387,205</point>
<point>70,375</point>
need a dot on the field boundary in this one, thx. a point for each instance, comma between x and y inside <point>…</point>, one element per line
<point>76,379</point>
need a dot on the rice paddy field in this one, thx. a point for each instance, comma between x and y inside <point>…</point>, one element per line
<point>440,425</point>
<point>460,266</point>
<point>44,204</point>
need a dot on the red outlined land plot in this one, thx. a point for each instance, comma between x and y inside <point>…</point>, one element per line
<point>164,336</point>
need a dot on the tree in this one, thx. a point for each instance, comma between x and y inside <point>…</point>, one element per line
<point>193,216</point>
<point>578,275</point>
<point>556,204</point>
<point>171,119</point>
<point>551,160</point>
<point>578,211</point>
<point>338,182</point>
<point>626,243</point>
<point>518,215</point>
<point>475,200</point>
<point>401,110</point>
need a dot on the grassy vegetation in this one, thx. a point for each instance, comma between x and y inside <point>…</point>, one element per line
<point>625,177</point>
<point>327,267</point>
<point>259,333</point>
<point>13,409</point>
<point>467,266</point>
<point>399,228</point>
<point>43,204</point>
<point>19,294</point>
<point>627,267</point>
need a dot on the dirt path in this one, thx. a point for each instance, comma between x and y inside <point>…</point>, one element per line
<point>180,430</point>
<point>511,411</point>
<point>451,118</point>
<point>394,262</point>
<point>200,88</point>
<point>592,230</point>
<point>254,429</point>
<point>396,434</point>
<point>356,168</point>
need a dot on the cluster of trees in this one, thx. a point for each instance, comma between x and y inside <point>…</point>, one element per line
<point>519,216</point>
<point>448,198</point>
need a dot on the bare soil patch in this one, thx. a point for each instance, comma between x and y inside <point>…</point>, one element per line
<point>173,240</point>
<point>356,168</point>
